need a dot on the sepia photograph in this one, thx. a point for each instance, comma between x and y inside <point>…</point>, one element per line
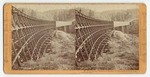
<point>43,38</point>
<point>74,37</point>
<point>107,37</point>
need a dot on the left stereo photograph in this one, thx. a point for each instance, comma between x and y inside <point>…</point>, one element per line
<point>39,41</point>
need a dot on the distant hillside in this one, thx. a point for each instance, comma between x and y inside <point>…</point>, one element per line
<point>134,27</point>
<point>63,14</point>
<point>57,15</point>
<point>118,15</point>
<point>122,15</point>
<point>29,12</point>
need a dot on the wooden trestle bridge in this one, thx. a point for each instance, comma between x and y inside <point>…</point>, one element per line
<point>31,37</point>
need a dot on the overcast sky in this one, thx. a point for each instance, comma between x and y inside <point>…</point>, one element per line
<point>95,7</point>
